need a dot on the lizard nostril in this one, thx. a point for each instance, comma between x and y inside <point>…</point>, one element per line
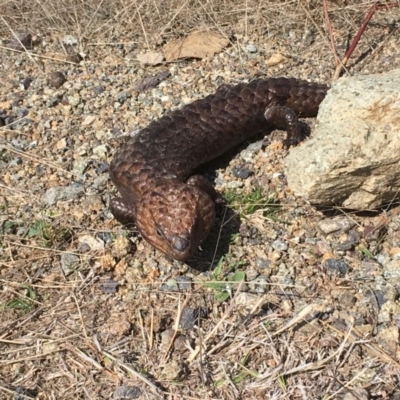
<point>180,243</point>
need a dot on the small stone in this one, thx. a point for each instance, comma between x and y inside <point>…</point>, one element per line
<point>345,246</point>
<point>388,339</point>
<point>380,298</point>
<point>337,225</point>
<point>102,167</point>
<point>255,147</point>
<point>347,299</point>
<point>241,172</point>
<point>70,40</point>
<point>366,376</point>
<point>170,286</point>
<point>61,144</point>
<point>280,245</point>
<point>117,325</point>
<point>356,394</point>
<point>101,151</point>
<point>354,236</point>
<point>69,262</point>
<point>172,370</point>
<point>92,242</point>
<point>149,82</point>
<point>56,79</point>
<point>251,273</point>
<point>123,96</point>
<point>275,256</point>
<point>105,237</point>
<point>27,82</point>
<point>110,287</point>
<point>263,263</point>
<point>99,89</point>
<point>181,343</point>
<point>251,48</point>
<point>247,155</point>
<point>259,285</point>
<point>391,269</point>
<point>246,300</point>
<point>21,42</point>
<point>80,165</point>
<point>191,317</point>
<point>63,193</point>
<point>166,337</point>
<point>121,246</point>
<point>275,59</point>
<point>336,266</point>
<point>127,392</point>
<point>83,248</point>
<point>75,58</point>
<point>88,120</point>
<point>184,283</point>
<point>22,393</point>
<point>116,132</point>
<point>74,100</point>
<point>383,317</point>
<point>391,307</point>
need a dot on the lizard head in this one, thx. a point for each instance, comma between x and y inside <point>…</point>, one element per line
<point>175,218</point>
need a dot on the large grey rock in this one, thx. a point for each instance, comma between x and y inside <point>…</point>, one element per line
<point>353,158</point>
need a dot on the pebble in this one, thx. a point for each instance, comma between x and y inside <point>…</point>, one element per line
<point>251,48</point>
<point>70,40</point>
<point>56,79</point>
<point>74,100</point>
<point>75,58</point>
<point>241,172</point>
<point>23,42</point>
<point>102,168</point>
<point>126,392</point>
<point>80,165</point>
<point>110,287</point>
<point>184,283</point>
<point>336,266</point>
<point>99,89</point>
<point>191,317</point>
<point>275,256</point>
<point>392,269</point>
<point>246,300</point>
<point>251,273</point>
<point>63,193</point>
<point>259,285</point>
<point>69,263</point>
<point>101,151</point>
<point>338,224</point>
<point>263,263</point>
<point>90,241</point>
<point>105,237</point>
<point>171,285</point>
<point>280,245</point>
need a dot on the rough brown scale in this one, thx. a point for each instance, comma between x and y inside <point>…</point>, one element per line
<point>172,209</point>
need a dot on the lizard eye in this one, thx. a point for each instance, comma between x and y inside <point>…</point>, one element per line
<point>159,231</point>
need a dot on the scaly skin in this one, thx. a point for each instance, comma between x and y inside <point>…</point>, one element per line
<point>151,170</point>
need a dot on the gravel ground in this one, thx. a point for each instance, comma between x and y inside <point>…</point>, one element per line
<point>89,310</point>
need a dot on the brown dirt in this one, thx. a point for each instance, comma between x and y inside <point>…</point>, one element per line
<point>87,308</point>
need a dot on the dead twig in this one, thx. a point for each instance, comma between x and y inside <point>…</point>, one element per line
<point>341,63</point>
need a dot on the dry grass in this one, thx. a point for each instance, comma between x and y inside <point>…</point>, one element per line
<point>64,337</point>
